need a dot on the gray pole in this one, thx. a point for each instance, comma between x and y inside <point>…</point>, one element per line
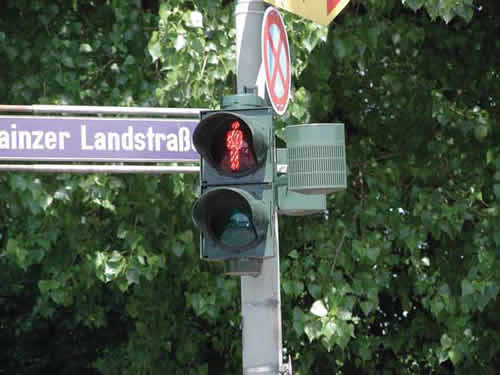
<point>260,296</point>
<point>249,15</point>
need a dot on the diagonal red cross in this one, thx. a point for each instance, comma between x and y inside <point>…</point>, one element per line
<point>330,5</point>
<point>277,67</point>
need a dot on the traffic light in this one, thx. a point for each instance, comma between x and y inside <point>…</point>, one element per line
<point>236,208</point>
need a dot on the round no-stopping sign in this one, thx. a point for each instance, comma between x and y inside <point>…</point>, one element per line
<point>276,58</point>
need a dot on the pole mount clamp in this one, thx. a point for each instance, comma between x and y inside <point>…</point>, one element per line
<point>286,368</point>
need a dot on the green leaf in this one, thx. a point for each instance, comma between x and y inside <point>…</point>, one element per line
<point>444,290</point>
<point>367,307</point>
<point>372,253</point>
<point>287,286</point>
<point>339,48</point>
<point>496,189</point>
<point>68,61</point>
<point>446,341</point>
<point>414,4</point>
<point>455,357</point>
<point>195,19</point>
<point>298,287</point>
<point>133,275</point>
<point>329,330</point>
<point>481,132</point>
<point>344,315</point>
<point>123,284</point>
<point>18,181</point>
<point>313,330</point>
<point>47,285</point>
<point>467,288</point>
<point>314,290</point>
<point>154,46</point>
<point>122,233</point>
<point>437,306</point>
<point>62,194</point>
<point>85,48</point>
<point>12,246</point>
<point>497,239</point>
<point>345,333</point>
<point>113,266</point>
<point>298,321</point>
<point>318,308</point>
<point>130,60</point>
<point>178,249</point>
<point>186,237</point>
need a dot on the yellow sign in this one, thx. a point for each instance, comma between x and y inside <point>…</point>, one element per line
<point>319,11</point>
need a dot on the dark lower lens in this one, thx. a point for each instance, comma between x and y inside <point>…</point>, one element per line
<point>238,230</point>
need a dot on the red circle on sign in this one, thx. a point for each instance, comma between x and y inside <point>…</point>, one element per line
<point>276,58</point>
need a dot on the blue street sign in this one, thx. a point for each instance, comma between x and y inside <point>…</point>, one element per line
<point>96,139</point>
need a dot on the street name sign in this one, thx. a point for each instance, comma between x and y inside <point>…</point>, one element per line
<point>276,58</point>
<point>96,139</point>
<point>319,11</point>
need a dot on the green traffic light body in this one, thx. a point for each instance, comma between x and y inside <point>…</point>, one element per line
<point>241,191</point>
<point>237,204</point>
<point>213,135</point>
<point>235,222</point>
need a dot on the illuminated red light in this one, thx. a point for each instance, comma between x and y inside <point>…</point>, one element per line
<point>234,143</point>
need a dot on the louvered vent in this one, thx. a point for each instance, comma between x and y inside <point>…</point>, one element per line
<point>316,158</point>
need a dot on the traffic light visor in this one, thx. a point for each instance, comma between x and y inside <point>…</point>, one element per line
<point>229,143</point>
<point>232,218</point>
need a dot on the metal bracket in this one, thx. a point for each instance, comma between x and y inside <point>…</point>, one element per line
<point>250,90</point>
<point>260,370</point>
<point>286,368</point>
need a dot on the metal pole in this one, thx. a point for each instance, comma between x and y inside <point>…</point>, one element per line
<point>260,296</point>
<point>249,15</point>
<point>97,110</point>
<point>86,169</point>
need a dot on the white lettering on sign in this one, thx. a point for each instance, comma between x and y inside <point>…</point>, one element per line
<point>14,139</point>
<point>184,139</point>
<point>133,140</point>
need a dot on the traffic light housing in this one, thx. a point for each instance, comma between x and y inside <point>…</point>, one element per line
<point>236,208</point>
<point>236,146</point>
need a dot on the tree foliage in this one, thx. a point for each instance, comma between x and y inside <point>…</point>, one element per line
<point>101,274</point>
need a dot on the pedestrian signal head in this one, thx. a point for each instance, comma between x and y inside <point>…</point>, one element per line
<point>229,144</point>
<point>232,218</point>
